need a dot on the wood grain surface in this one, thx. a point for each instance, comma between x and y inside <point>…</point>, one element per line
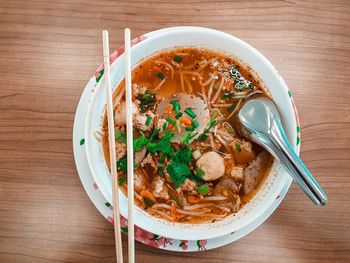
<point>48,50</point>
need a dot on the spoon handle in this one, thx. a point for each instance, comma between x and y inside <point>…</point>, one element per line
<point>296,167</point>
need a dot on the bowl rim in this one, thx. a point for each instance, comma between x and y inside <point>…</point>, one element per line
<point>162,33</point>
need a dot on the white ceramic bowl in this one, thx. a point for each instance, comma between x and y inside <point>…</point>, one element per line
<point>215,40</point>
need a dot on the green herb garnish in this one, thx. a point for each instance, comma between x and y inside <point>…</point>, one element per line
<point>190,113</point>
<point>146,100</point>
<point>195,124</point>
<point>178,115</point>
<point>140,142</point>
<point>148,202</point>
<point>226,95</point>
<point>170,120</point>
<point>160,75</point>
<point>178,167</point>
<point>148,121</point>
<point>178,59</point>
<point>203,189</point>
<point>238,147</point>
<point>122,180</point>
<point>199,172</point>
<point>189,129</point>
<point>164,126</point>
<point>119,136</point>
<point>176,105</point>
<point>203,137</point>
<point>122,165</point>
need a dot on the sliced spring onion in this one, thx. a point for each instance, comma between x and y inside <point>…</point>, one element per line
<point>190,113</point>
<point>176,105</point>
<point>196,154</point>
<point>148,121</point>
<point>178,115</point>
<point>170,120</point>
<point>203,137</point>
<point>203,189</point>
<point>160,75</point>
<point>195,124</point>
<point>178,59</point>
<point>164,126</point>
<point>189,129</point>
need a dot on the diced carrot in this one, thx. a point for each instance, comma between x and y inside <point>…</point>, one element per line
<point>193,199</point>
<point>185,121</point>
<point>169,108</point>
<point>147,194</point>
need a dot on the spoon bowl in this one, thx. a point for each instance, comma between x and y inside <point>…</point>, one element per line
<point>260,122</point>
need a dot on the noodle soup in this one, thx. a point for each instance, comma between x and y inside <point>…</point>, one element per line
<point>191,165</point>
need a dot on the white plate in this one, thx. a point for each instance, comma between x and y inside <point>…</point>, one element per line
<point>202,37</point>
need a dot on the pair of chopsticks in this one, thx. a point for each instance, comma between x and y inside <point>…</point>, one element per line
<point>112,151</point>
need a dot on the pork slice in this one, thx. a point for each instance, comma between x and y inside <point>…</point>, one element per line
<point>254,171</point>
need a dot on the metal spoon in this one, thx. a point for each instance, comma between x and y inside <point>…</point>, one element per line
<point>260,122</point>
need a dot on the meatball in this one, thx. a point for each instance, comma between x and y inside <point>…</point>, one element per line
<point>120,113</point>
<point>212,164</point>
<point>189,186</point>
<point>140,156</point>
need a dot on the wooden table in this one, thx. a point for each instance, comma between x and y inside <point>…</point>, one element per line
<point>49,50</point>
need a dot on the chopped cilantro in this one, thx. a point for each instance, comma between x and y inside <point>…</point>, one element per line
<point>122,180</point>
<point>140,142</point>
<point>119,136</point>
<point>148,121</point>
<point>203,189</point>
<point>122,165</point>
<point>199,172</point>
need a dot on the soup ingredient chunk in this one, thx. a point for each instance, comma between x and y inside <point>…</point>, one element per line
<point>254,171</point>
<point>140,180</point>
<point>212,165</point>
<point>160,189</point>
<point>120,113</point>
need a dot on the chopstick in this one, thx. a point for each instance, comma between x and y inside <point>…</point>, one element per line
<point>112,152</point>
<point>130,150</point>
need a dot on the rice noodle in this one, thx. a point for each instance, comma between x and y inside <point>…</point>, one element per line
<point>160,213</point>
<point>192,213</point>
<point>197,206</point>
<point>215,198</point>
<point>117,100</point>
<point>182,82</point>
<point>227,210</point>
<point>167,65</point>
<point>235,110</point>
<point>160,84</point>
<point>253,93</point>
<point>210,90</point>
<point>212,76</point>
<point>222,105</point>
<point>161,205</point>
<point>222,141</point>
<point>217,94</point>
<point>175,64</point>
<point>192,73</point>
<point>211,141</point>
<point>189,85</point>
